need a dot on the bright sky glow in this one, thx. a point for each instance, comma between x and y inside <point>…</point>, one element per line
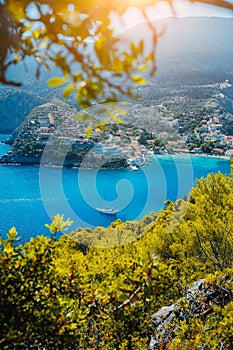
<point>182,9</point>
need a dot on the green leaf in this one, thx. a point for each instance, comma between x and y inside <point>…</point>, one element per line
<point>16,10</point>
<point>149,57</point>
<point>68,91</point>
<point>143,67</point>
<point>36,34</point>
<point>122,111</point>
<point>58,224</point>
<point>138,79</point>
<point>77,76</point>
<point>118,120</point>
<point>8,249</point>
<point>133,50</point>
<point>54,82</point>
<point>141,46</point>
<point>89,131</point>
<point>83,117</point>
<point>102,126</point>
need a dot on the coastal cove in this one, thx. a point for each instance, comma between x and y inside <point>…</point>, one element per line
<point>31,195</point>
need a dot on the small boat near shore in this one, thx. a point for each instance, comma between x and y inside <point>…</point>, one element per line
<point>133,167</point>
<point>107,211</point>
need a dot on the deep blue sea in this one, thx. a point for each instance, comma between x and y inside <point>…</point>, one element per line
<point>31,195</point>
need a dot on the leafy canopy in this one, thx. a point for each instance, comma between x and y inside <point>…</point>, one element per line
<point>78,37</point>
<point>73,293</point>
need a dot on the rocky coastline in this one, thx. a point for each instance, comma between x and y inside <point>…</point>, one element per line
<point>11,158</point>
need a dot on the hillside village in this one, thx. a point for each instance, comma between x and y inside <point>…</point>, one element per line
<point>196,123</point>
<point>186,122</point>
<point>52,134</point>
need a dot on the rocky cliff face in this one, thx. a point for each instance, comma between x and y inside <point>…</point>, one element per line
<point>199,302</point>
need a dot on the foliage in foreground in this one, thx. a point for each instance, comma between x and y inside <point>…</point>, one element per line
<point>79,38</point>
<point>63,294</point>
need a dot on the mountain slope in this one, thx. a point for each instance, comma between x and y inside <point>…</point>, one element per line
<point>191,50</point>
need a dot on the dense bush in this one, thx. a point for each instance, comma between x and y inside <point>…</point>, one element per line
<point>97,289</point>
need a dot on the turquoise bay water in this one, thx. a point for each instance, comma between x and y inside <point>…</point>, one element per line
<point>31,195</point>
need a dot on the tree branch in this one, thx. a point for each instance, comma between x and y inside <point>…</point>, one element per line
<point>128,300</point>
<point>219,3</point>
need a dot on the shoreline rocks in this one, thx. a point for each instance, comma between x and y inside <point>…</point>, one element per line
<point>15,159</point>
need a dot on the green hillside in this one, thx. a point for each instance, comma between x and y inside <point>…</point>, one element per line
<point>98,289</point>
